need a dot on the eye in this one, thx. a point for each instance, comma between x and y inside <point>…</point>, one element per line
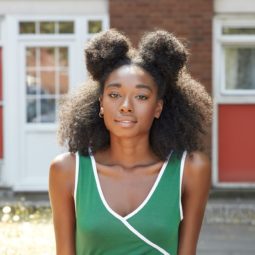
<point>142,97</point>
<point>114,95</point>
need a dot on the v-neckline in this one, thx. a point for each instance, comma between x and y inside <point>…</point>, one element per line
<point>144,202</point>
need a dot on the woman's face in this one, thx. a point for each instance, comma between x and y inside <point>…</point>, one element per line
<point>129,102</point>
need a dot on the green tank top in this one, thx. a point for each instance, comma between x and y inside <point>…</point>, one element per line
<point>150,229</point>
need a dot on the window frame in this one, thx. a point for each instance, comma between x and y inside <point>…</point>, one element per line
<point>223,41</point>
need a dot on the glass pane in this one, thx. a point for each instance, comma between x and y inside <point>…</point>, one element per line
<point>63,55</point>
<point>47,82</point>
<point>30,57</point>
<point>239,68</point>
<point>31,110</point>
<point>32,83</point>
<point>47,56</point>
<point>63,82</point>
<point>66,27</point>
<point>239,31</point>
<point>27,27</point>
<point>48,107</point>
<point>94,26</point>
<point>47,27</point>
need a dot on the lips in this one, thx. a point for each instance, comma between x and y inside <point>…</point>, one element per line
<point>125,122</point>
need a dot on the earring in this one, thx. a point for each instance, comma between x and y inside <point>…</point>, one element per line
<point>100,114</point>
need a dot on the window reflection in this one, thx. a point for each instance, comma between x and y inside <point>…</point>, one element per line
<point>63,56</point>
<point>31,109</point>
<point>47,79</point>
<point>240,66</point>
<point>47,56</point>
<point>32,83</point>
<point>30,57</point>
<point>48,107</point>
<point>66,27</point>
<point>63,81</point>
<point>94,26</point>
<point>27,27</point>
<point>47,27</point>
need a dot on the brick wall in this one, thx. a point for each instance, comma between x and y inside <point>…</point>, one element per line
<point>191,21</point>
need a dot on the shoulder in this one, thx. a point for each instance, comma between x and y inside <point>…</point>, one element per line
<point>197,170</point>
<point>63,163</point>
<point>197,162</point>
<point>62,171</point>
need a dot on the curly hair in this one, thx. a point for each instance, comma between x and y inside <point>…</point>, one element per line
<point>187,107</point>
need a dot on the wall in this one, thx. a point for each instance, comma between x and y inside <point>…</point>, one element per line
<point>189,20</point>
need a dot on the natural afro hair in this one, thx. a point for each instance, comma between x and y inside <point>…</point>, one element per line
<point>163,56</point>
<point>105,51</point>
<point>187,107</point>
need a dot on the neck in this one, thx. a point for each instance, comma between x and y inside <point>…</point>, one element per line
<point>129,152</point>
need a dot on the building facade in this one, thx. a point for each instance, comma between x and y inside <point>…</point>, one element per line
<point>41,59</point>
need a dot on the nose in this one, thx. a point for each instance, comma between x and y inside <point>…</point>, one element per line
<point>126,106</point>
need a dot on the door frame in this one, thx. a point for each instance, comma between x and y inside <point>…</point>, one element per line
<point>14,121</point>
<point>220,97</point>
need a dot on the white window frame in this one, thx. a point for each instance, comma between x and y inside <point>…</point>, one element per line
<point>220,95</point>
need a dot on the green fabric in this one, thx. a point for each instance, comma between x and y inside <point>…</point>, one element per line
<point>98,231</point>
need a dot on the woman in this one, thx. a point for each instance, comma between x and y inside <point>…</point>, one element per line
<point>134,180</point>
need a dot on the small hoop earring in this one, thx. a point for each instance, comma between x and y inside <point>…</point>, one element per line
<point>100,115</point>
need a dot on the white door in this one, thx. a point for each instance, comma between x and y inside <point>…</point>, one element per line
<point>45,77</point>
<point>44,60</point>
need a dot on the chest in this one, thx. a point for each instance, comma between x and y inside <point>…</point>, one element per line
<point>125,192</point>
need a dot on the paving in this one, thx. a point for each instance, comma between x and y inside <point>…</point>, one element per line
<point>227,239</point>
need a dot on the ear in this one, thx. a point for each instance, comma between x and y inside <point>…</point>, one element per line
<point>159,108</point>
<point>100,99</point>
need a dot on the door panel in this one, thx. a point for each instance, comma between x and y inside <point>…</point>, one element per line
<point>46,79</point>
<point>236,154</point>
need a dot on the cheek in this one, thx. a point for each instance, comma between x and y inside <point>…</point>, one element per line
<point>147,114</point>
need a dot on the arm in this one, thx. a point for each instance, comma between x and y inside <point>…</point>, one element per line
<point>61,186</point>
<point>196,185</point>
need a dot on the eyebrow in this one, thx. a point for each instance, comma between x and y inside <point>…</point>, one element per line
<point>139,86</point>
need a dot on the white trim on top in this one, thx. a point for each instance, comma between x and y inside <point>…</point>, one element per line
<point>161,172</point>
<point>77,164</point>
<point>143,238</point>
<point>181,177</point>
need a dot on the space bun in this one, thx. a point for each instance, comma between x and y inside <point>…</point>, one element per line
<point>104,51</point>
<point>163,51</point>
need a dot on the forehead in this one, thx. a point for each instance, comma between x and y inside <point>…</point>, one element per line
<point>130,74</point>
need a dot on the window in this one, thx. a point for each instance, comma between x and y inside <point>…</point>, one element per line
<point>95,26</point>
<point>236,62</point>
<point>239,68</point>
<point>46,27</point>
<point>47,78</point>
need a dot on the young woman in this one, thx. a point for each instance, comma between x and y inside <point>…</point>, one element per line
<point>135,180</point>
